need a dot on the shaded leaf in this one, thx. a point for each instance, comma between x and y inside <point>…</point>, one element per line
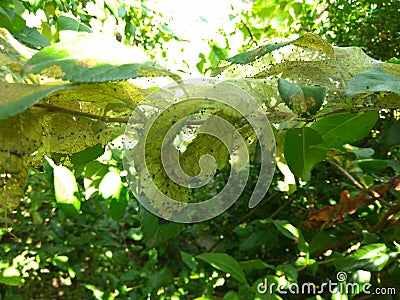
<point>160,278</point>
<point>392,136</point>
<point>255,264</point>
<point>321,241</point>
<point>155,233</point>
<point>373,80</point>
<point>87,155</point>
<point>372,165</point>
<point>340,129</point>
<point>293,233</point>
<point>189,260</point>
<point>119,203</point>
<point>302,151</point>
<point>305,101</point>
<point>225,263</point>
<point>32,37</point>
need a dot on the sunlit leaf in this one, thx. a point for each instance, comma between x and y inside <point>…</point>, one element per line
<point>17,97</point>
<point>66,190</point>
<point>67,23</point>
<point>307,40</point>
<point>110,185</point>
<point>11,276</point>
<point>371,257</point>
<point>252,55</point>
<point>92,58</point>
<point>225,263</point>
<point>32,36</point>
<point>20,137</point>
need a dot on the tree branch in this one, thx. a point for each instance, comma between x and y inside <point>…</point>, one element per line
<point>348,176</point>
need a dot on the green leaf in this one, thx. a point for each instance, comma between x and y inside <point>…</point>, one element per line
<point>337,130</point>
<point>302,152</point>
<point>92,58</point>
<point>392,137</point>
<point>360,153</point>
<point>322,241</point>
<point>12,21</point>
<point>288,90</point>
<point>118,204</point>
<point>17,97</point>
<point>87,155</point>
<point>289,271</point>
<point>231,295</point>
<point>372,165</point>
<point>293,233</point>
<point>67,23</point>
<point>156,234</point>
<point>189,260</point>
<point>394,60</point>
<point>94,173</point>
<point>252,55</point>
<point>66,190</point>
<point>110,185</point>
<point>11,277</point>
<point>305,101</point>
<point>129,275</point>
<point>32,37</point>
<point>226,263</point>
<point>315,96</point>
<point>255,264</point>
<point>371,257</point>
<point>160,278</point>
<point>373,80</point>
<point>308,40</point>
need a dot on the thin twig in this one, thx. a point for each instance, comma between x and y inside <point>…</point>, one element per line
<point>81,113</point>
<point>348,176</point>
<point>105,119</point>
<point>249,31</point>
<point>383,222</point>
<point>375,195</point>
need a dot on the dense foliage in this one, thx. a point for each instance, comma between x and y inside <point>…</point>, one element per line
<point>73,228</point>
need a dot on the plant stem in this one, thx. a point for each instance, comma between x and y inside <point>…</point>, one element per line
<point>81,113</point>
